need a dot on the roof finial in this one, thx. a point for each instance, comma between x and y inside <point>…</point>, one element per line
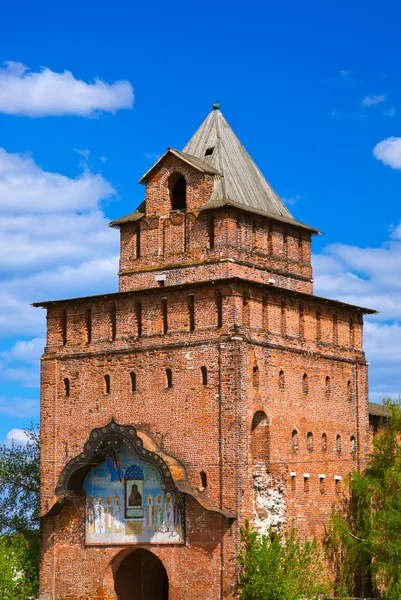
<point>216,106</point>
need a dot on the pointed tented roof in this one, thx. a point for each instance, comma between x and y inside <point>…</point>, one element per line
<point>241,180</point>
<point>216,150</point>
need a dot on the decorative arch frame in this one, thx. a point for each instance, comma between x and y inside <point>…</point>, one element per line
<point>101,444</point>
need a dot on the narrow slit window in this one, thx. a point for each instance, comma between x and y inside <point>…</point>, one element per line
<point>349,390</point>
<point>301,321</point>
<point>351,332</point>
<point>321,484</point>
<point>335,330</point>
<point>107,384</point>
<point>63,326</point>
<point>138,314</point>
<point>327,387</point>
<point>204,375</point>
<point>113,320</point>
<point>67,386</point>
<point>203,478</point>
<point>219,309</point>
<point>309,441</point>
<point>191,311</point>
<point>352,444</point>
<point>133,381</point>
<point>255,376</point>
<point>245,309</point>
<point>318,326</point>
<point>281,381</point>
<point>209,151</point>
<point>88,325</point>
<point>294,439</point>
<point>283,319</point>
<point>164,315</point>
<point>306,484</point>
<point>169,378</point>
<point>211,231</point>
<point>305,384</point>
<point>338,444</point>
<point>324,442</point>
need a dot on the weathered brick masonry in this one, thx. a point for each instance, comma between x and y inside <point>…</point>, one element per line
<point>217,351</point>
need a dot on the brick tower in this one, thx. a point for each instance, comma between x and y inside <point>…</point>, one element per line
<point>214,386</point>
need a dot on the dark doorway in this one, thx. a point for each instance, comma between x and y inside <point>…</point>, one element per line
<point>141,576</point>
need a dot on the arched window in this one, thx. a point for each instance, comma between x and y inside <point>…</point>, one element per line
<point>67,386</point>
<point>327,386</point>
<point>169,378</point>
<point>309,440</point>
<point>260,437</point>
<point>133,381</point>
<point>255,376</point>
<point>352,444</point>
<point>281,380</point>
<point>349,390</point>
<point>107,384</point>
<point>305,384</point>
<point>338,443</point>
<point>204,375</point>
<point>294,439</point>
<point>324,442</point>
<point>203,478</point>
<point>178,191</point>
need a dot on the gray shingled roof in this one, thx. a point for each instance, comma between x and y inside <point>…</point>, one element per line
<point>241,180</point>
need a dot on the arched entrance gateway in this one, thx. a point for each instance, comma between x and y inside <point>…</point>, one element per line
<point>141,576</point>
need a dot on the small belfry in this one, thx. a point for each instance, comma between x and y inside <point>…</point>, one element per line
<point>213,387</point>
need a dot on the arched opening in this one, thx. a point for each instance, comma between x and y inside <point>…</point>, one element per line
<point>327,387</point>
<point>204,375</point>
<point>67,386</point>
<point>255,376</point>
<point>309,440</point>
<point>141,576</point>
<point>281,380</point>
<point>203,478</point>
<point>178,191</point>
<point>294,439</point>
<point>133,381</point>
<point>260,437</point>
<point>107,384</point>
<point>324,442</point>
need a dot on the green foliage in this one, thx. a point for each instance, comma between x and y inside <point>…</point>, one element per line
<point>19,484</point>
<point>279,567</point>
<point>363,540</point>
<point>19,566</point>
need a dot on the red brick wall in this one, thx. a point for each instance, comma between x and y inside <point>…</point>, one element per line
<point>207,428</point>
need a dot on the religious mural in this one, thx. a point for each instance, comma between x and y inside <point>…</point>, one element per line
<point>126,503</point>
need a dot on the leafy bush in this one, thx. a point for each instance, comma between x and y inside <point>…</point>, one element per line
<point>279,566</point>
<point>19,566</point>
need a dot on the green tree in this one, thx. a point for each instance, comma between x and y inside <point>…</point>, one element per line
<point>363,539</point>
<point>19,518</point>
<point>19,484</point>
<point>279,566</point>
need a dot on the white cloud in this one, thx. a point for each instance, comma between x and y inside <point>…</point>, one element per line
<point>389,152</point>
<point>373,100</point>
<point>18,436</point>
<point>369,277</point>
<point>292,200</point>
<point>46,93</point>
<point>26,188</point>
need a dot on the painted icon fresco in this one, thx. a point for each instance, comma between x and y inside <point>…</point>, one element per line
<point>126,503</point>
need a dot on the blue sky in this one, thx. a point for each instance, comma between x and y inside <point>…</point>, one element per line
<point>312,89</point>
